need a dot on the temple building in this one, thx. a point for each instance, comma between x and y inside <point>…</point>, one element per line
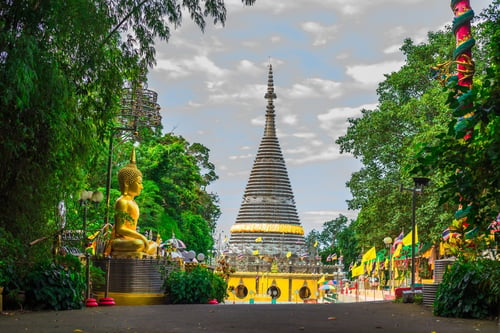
<point>267,246</point>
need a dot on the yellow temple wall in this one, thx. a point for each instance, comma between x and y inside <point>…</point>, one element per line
<point>293,287</point>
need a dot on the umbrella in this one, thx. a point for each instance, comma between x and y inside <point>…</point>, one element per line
<point>326,287</point>
<point>175,243</point>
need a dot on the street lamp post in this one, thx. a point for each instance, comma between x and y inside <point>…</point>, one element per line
<point>388,243</point>
<point>419,183</point>
<point>95,197</point>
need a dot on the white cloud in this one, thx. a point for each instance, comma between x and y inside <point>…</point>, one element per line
<point>325,153</point>
<point>290,119</point>
<point>321,34</point>
<point>174,70</point>
<point>335,123</point>
<point>374,73</point>
<point>315,87</point>
<point>275,39</point>
<point>392,49</point>
<point>258,121</point>
<point>238,157</point>
<point>308,135</point>
<point>315,219</point>
<point>247,67</point>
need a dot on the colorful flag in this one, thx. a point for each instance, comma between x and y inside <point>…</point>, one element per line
<point>329,258</point>
<point>240,256</point>
<point>495,225</point>
<point>369,255</point>
<point>315,244</point>
<point>471,233</point>
<point>397,252</point>
<point>398,240</point>
<point>334,256</point>
<point>289,254</point>
<point>407,239</point>
<point>256,252</point>
<point>258,239</point>
<point>447,234</point>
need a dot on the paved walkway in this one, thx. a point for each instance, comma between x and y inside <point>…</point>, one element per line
<point>380,317</point>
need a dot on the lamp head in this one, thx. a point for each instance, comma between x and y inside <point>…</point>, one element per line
<point>421,181</point>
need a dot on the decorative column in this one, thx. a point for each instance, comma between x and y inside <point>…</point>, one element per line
<point>462,56</point>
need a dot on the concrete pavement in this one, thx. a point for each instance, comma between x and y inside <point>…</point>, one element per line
<point>380,316</point>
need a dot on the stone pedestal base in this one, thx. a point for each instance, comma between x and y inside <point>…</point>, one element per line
<point>130,255</point>
<point>133,281</point>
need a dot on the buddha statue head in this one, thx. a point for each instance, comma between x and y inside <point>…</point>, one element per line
<point>129,174</point>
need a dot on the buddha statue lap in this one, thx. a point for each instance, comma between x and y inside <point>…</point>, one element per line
<point>125,241</point>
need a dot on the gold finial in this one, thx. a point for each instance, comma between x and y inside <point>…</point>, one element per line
<point>132,156</point>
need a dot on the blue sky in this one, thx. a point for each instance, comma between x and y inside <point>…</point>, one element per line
<point>328,57</point>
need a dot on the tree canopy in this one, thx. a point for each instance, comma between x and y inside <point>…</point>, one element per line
<point>412,133</point>
<point>62,68</point>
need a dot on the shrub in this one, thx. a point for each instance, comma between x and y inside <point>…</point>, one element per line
<point>469,289</point>
<point>197,286</point>
<point>57,285</point>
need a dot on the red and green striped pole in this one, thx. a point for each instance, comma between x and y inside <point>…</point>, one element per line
<point>462,56</point>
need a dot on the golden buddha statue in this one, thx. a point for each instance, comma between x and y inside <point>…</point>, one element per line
<point>125,240</point>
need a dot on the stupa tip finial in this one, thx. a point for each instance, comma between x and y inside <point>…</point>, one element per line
<point>132,156</point>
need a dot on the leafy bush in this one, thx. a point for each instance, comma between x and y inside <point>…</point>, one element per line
<point>197,286</point>
<point>469,289</point>
<point>58,285</point>
<point>10,252</point>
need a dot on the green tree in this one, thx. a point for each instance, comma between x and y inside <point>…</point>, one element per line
<point>62,68</point>
<point>337,236</point>
<point>471,167</point>
<point>410,103</point>
<point>177,199</point>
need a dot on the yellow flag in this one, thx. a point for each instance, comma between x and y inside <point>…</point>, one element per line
<point>258,239</point>
<point>407,239</point>
<point>226,239</point>
<point>256,252</point>
<point>321,279</point>
<point>396,273</point>
<point>315,243</point>
<point>442,251</point>
<point>397,251</point>
<point>289,254</point>
<point>369,255</point>
<point>358,270</point>
<point>94,235</point>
